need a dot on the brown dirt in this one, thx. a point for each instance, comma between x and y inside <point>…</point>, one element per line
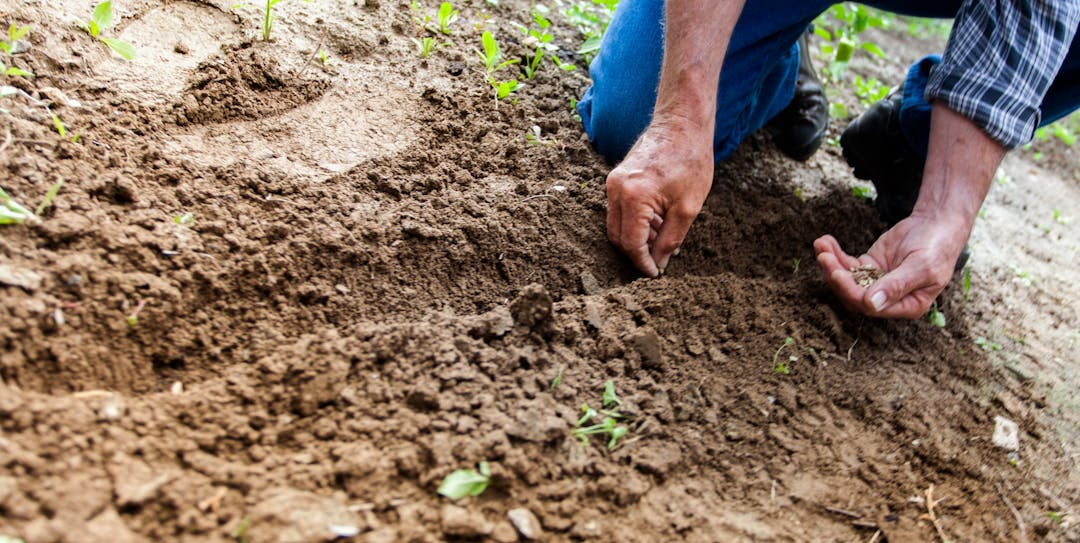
<point>383,278</point>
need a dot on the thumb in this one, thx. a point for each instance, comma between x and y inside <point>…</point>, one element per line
<point>677,223</point>
<point>890,295</point>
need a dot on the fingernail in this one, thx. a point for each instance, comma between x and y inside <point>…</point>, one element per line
<point>675,252</point>
<point>878,300</point>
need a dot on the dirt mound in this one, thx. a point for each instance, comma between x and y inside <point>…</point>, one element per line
<point>244,82</point>
<point>287,303</point>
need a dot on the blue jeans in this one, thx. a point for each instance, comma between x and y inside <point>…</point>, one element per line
<point>758,78</point>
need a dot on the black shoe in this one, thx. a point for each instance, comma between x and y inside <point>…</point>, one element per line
<point>876,149</point>
<point>799,129</point>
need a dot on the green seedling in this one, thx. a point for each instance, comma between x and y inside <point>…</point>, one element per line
<point>839,29</point>
<point>504,88</point>
<point>610,399</point>
<point>532,64</point>
<point>426,45</point>
<point>557,380</point>
<point>1058,218</point>
<point>102,20</point>
<point>447,15</point>
<point>11,212</point>
<point>324,57</point>
<point>50,195</point>
<point>1055,516</point>
<point>491,56</point>
<point>935,316</point>
<point>133,318</point>
<point>466,482</point>
<point>609,426</point>
<point>795,266</point>
<point>8,47</point>
<point>967,283</point>
<point>15,33</point>
<point>63,131</point>
<point>987,345</point>
<point>863,192</point>
<point>591,19</point>
<point>239,533</point>
<point>185,218</point>
<point>779,366</point>
<point>1025,278</point>
<point>869,90</point>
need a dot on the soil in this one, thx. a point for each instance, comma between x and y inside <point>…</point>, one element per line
<point>383,279</point>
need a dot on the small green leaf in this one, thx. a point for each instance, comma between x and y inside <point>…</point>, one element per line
<point>466,482</point>
<point>102,18</point>
<point>873,48</point>
<point>590,46</point>
<point>49,196</point>
<point>13,71</point>
<point>822,33</point>
<point>610,398</point>
<point>122,48</point>
<point>60,128</point>
<point>16,32</point>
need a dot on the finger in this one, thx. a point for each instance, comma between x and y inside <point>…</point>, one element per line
<point>652,236</point>
<point>841,281</point>
<point>891,296</point>
<point>676,224</point>
<point>829,244</point>
<point>635,237</point>
<point>614,214</point>
<point>656,222</point>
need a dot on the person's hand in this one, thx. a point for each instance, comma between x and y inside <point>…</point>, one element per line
<point>657,191</point>
<point>917,256</point>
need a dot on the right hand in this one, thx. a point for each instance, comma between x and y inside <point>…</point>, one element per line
<point>657,191</point>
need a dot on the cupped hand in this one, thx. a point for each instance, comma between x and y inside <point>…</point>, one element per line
<point>917,257</point>
<point>657,191</point>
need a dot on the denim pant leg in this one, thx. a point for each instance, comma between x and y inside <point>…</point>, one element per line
<point>757,82</point>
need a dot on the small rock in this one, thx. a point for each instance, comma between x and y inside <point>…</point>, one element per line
<point>592,315</point>
<point>526,523</point>
<point>460,522</point>
<point>112,409</point>
<point>20,277</point>
<point>108,526</point>
<point>532,306</point>
<point>589,285</point>
<point>285,515</point>
<point>588,530</point>
<point>504,532</point>
<point>647,343</point>
<point>1006,434</point>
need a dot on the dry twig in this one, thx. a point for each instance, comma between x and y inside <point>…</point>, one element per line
<point>930,515</point>
<point>1016,514</point>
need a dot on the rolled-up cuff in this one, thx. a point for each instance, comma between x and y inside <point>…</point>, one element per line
<point>1006,115</point>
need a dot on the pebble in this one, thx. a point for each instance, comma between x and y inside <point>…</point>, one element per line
<point>460,522</point>
<point>590,285</point>
<point>1006,434</point>
<point>20,277</point>
<point>526,523</point>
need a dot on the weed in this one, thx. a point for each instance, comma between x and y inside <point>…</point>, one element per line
<point>324,57</point>
<point>101,20</point>
<point>466,482</point>
<point>782,367</point>
<point>935,316</point>
<point>1055,516</point>
<point>447,15</point>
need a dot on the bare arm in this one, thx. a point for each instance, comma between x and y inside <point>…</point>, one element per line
<point>918,253</point>
<point>657,191</point>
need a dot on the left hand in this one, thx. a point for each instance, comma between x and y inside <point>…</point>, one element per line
<point>917,256</point>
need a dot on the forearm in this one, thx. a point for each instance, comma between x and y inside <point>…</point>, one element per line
<point>696,38</point>
<point>960,165</point>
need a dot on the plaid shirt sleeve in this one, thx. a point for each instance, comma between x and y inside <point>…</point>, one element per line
<point>1000,60</point>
